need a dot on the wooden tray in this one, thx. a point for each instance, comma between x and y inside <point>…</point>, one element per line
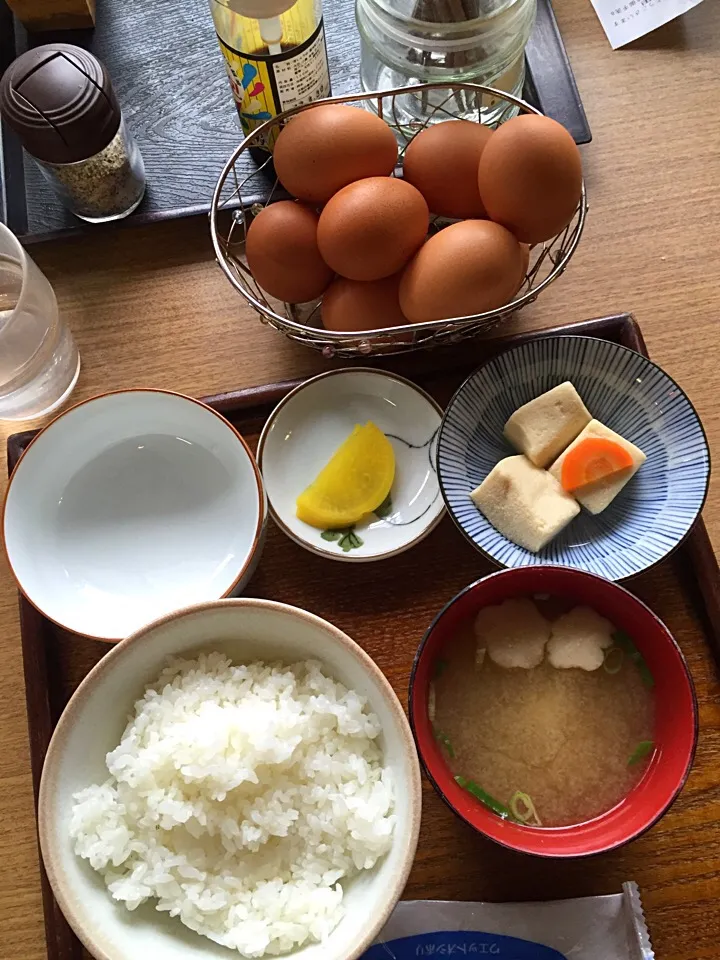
<point>386,607</point>
<point>170,78</point>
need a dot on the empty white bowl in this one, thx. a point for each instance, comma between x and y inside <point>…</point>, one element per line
<point>93,723</point>
<point>308,426</point>
<point>129,506</point>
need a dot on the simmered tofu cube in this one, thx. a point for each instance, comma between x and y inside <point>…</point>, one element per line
<point>524,503</point>
<point>579,639</point>
<point>596,496</point>
<point>514,633</point>
<point>542,428</point>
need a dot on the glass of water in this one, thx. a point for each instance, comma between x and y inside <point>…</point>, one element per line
<point>39,361</point>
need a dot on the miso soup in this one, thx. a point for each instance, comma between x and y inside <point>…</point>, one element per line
<point>544,712</point>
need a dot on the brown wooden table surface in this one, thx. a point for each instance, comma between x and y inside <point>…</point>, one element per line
<point>149,307</point>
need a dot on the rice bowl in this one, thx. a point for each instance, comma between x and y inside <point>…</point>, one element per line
<point>239,797</point>
<point>304,846</point>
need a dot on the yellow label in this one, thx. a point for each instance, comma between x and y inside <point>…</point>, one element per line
<point>264,86</point>
<point>252,90</point>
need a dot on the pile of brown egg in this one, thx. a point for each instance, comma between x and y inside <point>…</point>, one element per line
<point>358,236</point>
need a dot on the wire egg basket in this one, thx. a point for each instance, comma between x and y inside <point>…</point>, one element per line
<point>242,182</point>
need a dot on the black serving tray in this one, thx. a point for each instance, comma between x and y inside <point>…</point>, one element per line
<point>170,78</point>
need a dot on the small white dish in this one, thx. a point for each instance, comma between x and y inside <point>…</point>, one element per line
<point>93,722</point>
<point>129,506</point>
<point>308,426</point>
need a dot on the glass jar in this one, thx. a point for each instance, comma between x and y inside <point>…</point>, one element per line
<point>60,101</point>
<point>104,187</point>
<point>406,42</point>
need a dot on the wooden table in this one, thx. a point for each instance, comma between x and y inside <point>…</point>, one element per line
<point>149,307</point>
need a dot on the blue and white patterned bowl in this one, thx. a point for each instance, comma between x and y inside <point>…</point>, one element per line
<point>629,394</point>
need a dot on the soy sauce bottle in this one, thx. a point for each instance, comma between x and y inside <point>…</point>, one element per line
<point>275,57</point>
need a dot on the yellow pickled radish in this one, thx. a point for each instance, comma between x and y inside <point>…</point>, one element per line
<point>355,482</point>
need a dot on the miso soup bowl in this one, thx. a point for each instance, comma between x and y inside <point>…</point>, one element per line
<point>676,720</point>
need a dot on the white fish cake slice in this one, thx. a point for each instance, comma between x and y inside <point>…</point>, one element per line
<point>513,633</point>
<point>524,503</point>
<point>597,496</point>
<point>579,639</point>
<point>542,428</point>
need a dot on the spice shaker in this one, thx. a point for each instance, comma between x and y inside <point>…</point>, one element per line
<point>59,100</point>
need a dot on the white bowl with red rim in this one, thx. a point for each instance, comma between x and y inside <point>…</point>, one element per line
<point>129,506</point>
<point>92,724</point>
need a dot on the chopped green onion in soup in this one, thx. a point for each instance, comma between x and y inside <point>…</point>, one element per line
<point>642,750</point>
<point>523,809</point>
<point>613,661</point>
<point>623,641</point>
<point>484,797</point>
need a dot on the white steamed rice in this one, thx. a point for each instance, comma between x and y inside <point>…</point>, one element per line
<point>239,798</point>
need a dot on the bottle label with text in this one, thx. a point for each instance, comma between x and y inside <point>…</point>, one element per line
<point>265,85</point>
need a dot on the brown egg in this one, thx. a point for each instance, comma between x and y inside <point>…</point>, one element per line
<point>530,177</point>
<point>356,305</point>
<point>467,268</point>
<point>283,255</point>
<point>323,149</point>
<point>442,162</point>
<point>371,228</point>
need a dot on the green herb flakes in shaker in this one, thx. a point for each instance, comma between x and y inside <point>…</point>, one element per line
<point>59,100</point>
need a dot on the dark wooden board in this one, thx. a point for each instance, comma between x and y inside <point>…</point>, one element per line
<point>386,606</point>
<point>169,75</point>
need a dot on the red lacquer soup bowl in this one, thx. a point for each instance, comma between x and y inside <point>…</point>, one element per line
<point>676,724</point>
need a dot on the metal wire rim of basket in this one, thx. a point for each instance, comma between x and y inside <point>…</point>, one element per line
<point>300,322</point>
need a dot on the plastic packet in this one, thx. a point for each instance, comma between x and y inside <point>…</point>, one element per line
<point>588,928</point>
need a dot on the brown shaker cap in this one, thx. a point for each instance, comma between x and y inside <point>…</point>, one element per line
<point>59,100</point>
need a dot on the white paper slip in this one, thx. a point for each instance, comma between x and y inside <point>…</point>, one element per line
<point>625,20</point>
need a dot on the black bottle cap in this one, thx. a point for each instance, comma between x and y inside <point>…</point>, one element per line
<point>59,100</point>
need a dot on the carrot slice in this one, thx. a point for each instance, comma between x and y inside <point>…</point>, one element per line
<point>593,459</point>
